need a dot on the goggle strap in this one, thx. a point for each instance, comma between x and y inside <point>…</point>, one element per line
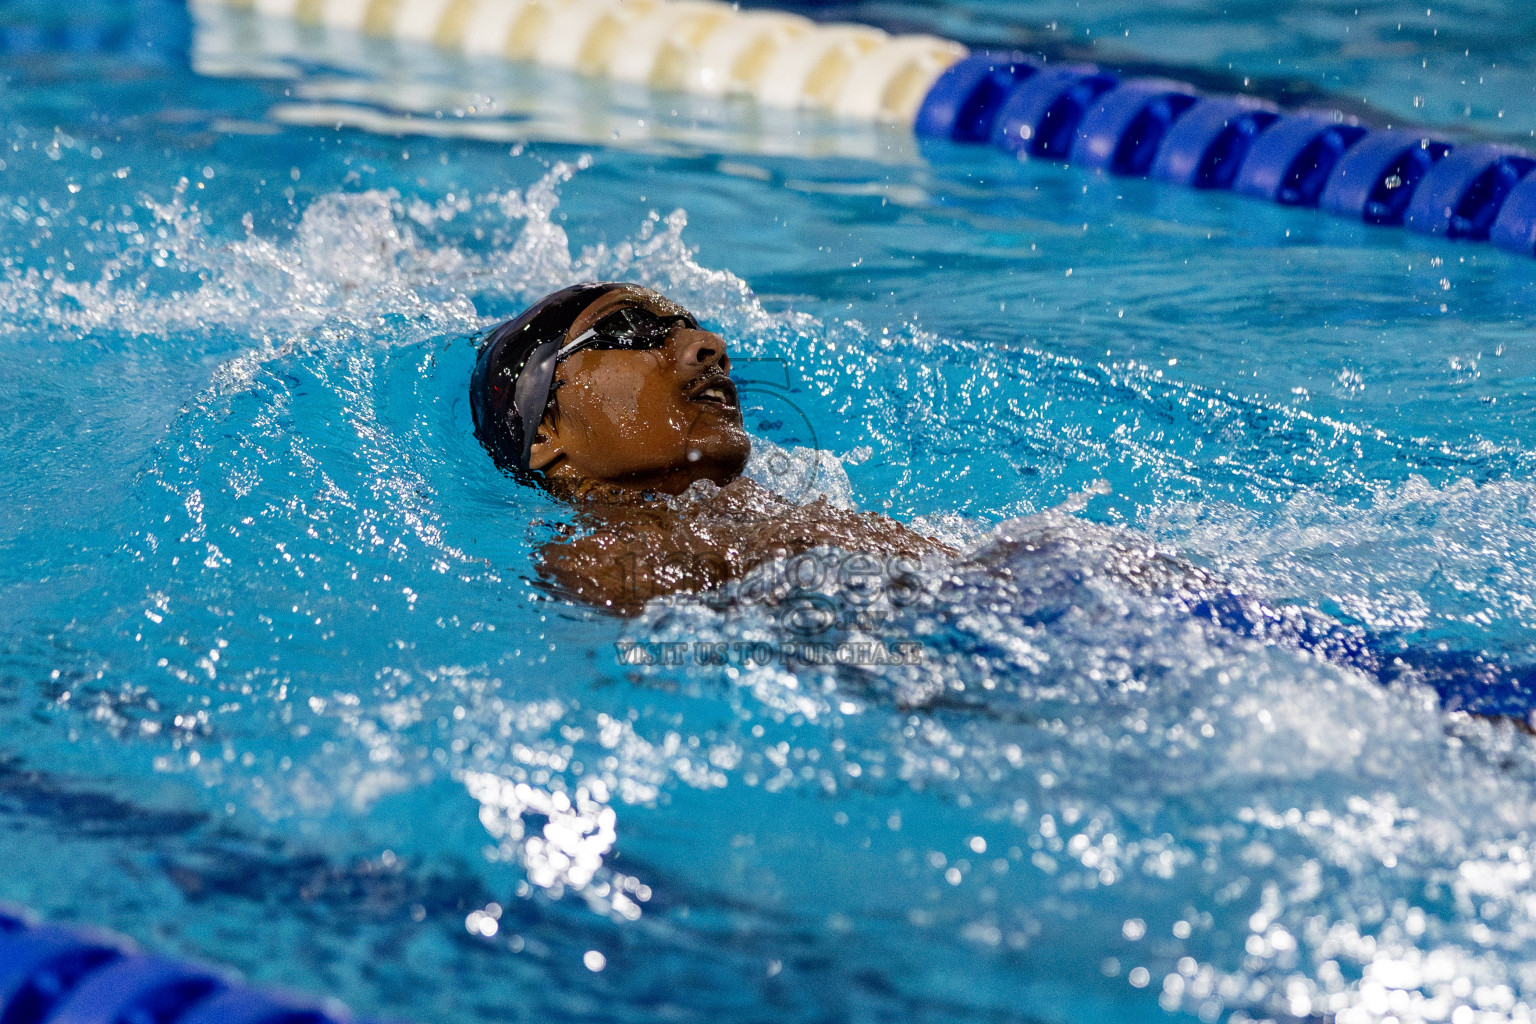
<point>532,392</point>
<point>576,344</point>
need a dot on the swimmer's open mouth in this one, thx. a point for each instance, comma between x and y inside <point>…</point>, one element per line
<point>713,389</point>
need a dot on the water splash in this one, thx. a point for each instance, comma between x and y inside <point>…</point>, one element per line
<point>327,620</point>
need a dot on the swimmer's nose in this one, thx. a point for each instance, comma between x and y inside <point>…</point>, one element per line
<point>700,350</point>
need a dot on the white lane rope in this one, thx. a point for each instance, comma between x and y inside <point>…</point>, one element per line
<point>698,46</point>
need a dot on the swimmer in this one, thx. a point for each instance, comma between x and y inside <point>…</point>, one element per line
<point>614,400</point>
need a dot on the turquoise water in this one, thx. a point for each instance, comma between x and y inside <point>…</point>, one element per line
<point>278,690</point>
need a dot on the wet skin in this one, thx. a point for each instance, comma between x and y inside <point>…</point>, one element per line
<point>632,429</point>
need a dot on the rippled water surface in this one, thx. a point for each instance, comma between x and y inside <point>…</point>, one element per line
<point>279,690</point>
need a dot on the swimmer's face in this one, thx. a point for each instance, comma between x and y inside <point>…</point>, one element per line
<point>653,419</point>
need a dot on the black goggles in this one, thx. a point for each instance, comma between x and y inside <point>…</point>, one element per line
<point>634,328</point>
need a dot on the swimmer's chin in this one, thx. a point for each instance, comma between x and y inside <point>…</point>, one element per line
<point>718,464</point>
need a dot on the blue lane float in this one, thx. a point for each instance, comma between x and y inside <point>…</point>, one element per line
<point>242,1006</point>
<point>1376,179</point>
<point>136,988</point>
<point>1291,161</point>
<point>53,975</point>
<point>1140,127</point>
<point>1041,114</point>
<point>1515,227</point>
<point>1205,147</point>
<point>1123,130</point>
<point>141,30</point>
<point>963,104</point>
<point>1461,195</point>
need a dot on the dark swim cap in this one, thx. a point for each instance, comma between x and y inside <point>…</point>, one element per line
<point>510,387</point>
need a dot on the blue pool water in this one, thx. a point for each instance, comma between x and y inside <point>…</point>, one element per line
<point>278,691</point>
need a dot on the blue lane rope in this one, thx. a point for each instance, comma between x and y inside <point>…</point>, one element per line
<point>55,975</point>
<point>1167,130</point>
<point>146,30</point>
